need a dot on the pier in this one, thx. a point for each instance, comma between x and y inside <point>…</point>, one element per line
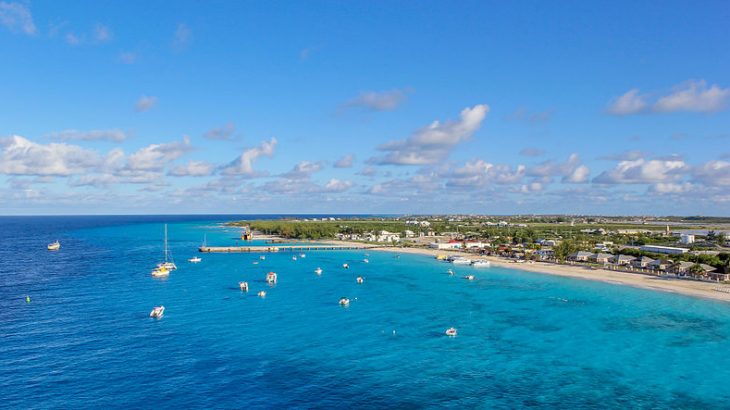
<point>287,248</point>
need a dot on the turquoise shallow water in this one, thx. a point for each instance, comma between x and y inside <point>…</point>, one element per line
<point>525,340</point>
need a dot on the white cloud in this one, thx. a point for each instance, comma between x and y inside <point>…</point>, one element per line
<point>192,169</point>
<point>156,156</point>
<point>478,173</point>
<point>571,171</point>
<point>243,165</point>
<point>145,103</point>
<point>532,152</point>
<point>690,96</point>
<point>630,103</point>
<point>303,170</point>
<point>102,34</point>
<point>225,132</point>
<point>672,188</point>
<point>336,185</point>
<point>345,162</point>
<point>713,173</point>
<point>93,135</point>
<point>434,143</point>
<point>20,156</point>
<point>72,39</point>
<point>694,95</point>
<point>16,17</point>
<point>182,37</point>
<point>642,171</point>
<point>377,101</point>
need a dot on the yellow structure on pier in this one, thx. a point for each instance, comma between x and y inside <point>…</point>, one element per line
<point>246,234</point>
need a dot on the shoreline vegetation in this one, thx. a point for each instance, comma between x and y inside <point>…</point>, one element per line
<point>523,243</point>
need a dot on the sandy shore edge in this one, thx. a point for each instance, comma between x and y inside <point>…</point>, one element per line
<point>705,290</point>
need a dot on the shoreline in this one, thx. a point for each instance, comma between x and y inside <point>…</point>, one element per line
<point>704,290</point>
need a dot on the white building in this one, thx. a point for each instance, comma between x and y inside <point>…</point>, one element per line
<point>385,236</point>
<point>445,245</point>
<point>686,239</point>
<point>669,250</point>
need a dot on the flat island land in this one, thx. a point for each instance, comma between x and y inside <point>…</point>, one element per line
<point>557,245</point>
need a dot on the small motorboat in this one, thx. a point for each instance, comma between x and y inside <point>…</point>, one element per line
<point>346,266</point>
<point>481,264</point>
<point>360,280</point>
<point>54,246</point>
<point>450,272</point>
<point>293,258</point>
<point>366,261</point>
<point>469,277</point>
<point>318,271</point>
<point>451,332</point>
<point>344,301</point>
<point>262,257</point>
<point>157,312</point>
<point>461,261</point>
<point>243,286</point>
<point>195,259</point>
<point>271,277</point>
<point>262,294</point>
<point>160,272</point>
<point>255,262</point>
<point>302,255</point>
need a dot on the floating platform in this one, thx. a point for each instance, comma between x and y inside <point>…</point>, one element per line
<point>292,248</point>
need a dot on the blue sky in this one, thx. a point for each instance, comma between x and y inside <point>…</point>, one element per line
<point>364,107</point>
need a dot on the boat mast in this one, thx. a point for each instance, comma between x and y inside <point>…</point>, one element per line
<point>165,242</point>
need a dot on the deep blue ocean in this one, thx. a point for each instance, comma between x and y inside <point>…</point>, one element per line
<point>525,340</point>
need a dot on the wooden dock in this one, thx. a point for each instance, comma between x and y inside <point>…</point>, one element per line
<point>286,248</point>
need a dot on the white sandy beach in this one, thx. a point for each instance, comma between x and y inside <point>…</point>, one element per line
<point>680,286</point>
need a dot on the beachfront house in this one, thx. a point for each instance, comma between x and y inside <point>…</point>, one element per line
<point>601,257</point>
<point>580,256</point>
<point>660,264</point>
<point>545,254</point>
<point>409,233</point>
<point>385,236</point>
<point>718,276</point>
<point>475,244</point>
<point>622,260</point>
<point>642,262</point>
<point>682,268</point>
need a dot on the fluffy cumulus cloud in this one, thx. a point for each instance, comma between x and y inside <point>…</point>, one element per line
<point>690,96</point>
<point>225,132</point>
<point>632,102</point>
<point>694,96</point>
<point>243,165</point>
<point>17,17</point>
<point>643,171</point>
<point>155,157</point>
<point>20,156</point>
<point>377,101</point>
<point>112,135</point>
<point>303,170</point>
<point>345,161</point>
<point>479,173</point>
<point>713,173</point>
<point>192,169</point>
<point>571,171</point>
<point>433,143</point>
<point>336,185</point>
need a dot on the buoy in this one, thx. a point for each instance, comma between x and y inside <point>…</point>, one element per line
<point>262,294</point>
<point>360,279</point>
<point>27,299</point>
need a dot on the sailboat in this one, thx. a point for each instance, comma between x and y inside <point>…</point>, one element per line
<point>169,263</point>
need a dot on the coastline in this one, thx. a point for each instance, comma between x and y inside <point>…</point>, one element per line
<point>705,290</point>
